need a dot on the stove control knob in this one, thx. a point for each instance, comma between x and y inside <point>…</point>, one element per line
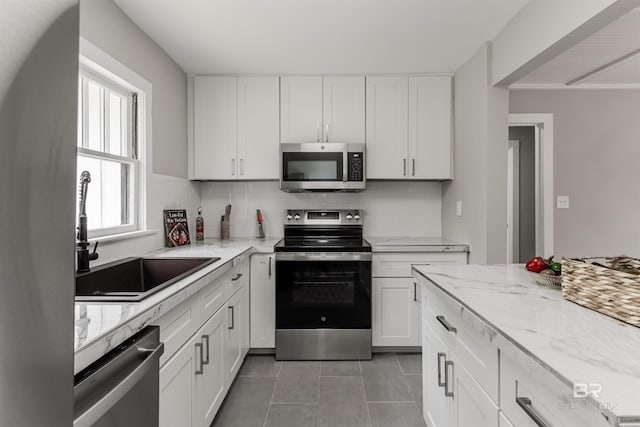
<point>349,216</point>
<point>296,217</point>
<point>289,217</point>
<point>356,217</point>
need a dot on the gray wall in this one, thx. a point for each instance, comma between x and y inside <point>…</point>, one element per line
<point>38,123</point>
<point>596,152</point>
<point>527,199</point>
<point>480,163</point>
<point>107,27</point>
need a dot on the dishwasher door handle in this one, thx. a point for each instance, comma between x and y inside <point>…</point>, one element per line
<point>106,402</point>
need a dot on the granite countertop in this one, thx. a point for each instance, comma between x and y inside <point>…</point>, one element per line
<point>100,326</point>
<point>415,244</point>
<point>574,343</point>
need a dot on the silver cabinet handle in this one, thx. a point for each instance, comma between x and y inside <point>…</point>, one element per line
<point>326,135</point>
<point>232,318</point>
<point>404,167</point>
<point>413,167</point>
<point>447,363</point>
<point>446,324</point>
<point>205,360</point>
<point>527,407</point>
<point>318,132</point>
<point>269,266</point>
<point>440,357</point>
<point>233,166</point>
<point>241,166</point>
<point>199,347</point>
<point>415,292</point>
<point>239,275</point>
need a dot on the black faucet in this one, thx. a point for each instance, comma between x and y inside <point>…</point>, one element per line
<point>82,243</point>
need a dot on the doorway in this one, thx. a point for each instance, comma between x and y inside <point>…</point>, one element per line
<point>529,187</point>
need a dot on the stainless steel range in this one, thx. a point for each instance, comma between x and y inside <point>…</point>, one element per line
<point>323,287</point>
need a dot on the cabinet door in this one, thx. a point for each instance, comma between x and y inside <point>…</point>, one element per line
<point>429,127</point>
<point>472,406</point>
<point>258,127</point>
<point>178,394</point>
<point>233,336</point>
<point>387,127</point>
<point>215,130</point>
<point>396,313</point>
<point>300,109</point>
<point>436,406</point>
<point>343,107</point>
<point>245,337</point>
<point>263,301</point>
<point>211,385</point>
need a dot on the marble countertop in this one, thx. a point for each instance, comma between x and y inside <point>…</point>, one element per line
<point>415,244</point>
<point>100,326</point>
<point>574,343</point>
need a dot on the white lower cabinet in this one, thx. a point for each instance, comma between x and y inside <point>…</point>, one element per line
<point>471,405</point>
<point>396,295</point>
<point>236,320</point>
<point>195,380</point>
<point>503,421</point>
<point>437,409</point>
<point>263,301</point>
<point>396,312</point>
<point>178,387</point>
<point>211,383</point>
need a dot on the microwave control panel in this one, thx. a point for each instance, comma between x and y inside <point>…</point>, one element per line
<point>356,167</point>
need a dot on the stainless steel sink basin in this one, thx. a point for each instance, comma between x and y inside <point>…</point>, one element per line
<point>134,279</point>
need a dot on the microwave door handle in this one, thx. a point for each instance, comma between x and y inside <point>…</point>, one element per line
<point>345,166</point>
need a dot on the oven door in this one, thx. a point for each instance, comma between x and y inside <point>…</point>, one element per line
<point>323,290</point>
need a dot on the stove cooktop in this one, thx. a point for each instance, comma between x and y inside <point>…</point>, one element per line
<point>322,245</point>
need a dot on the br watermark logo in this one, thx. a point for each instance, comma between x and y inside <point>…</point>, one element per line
<point>584,390</point>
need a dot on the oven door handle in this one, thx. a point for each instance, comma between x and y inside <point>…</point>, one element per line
<point>323,256</point>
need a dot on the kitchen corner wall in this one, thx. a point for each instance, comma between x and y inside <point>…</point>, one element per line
<point>596,151</point>
<point>391,208</point>
<point>105,26</point>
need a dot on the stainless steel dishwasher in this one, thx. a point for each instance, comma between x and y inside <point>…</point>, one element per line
<point>121,388</point>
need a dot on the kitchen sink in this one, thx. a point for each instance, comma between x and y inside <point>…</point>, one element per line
<point>134,279</point>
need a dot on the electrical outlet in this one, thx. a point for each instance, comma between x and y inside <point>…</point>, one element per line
<point>562,202</point>
<point>459,208</point>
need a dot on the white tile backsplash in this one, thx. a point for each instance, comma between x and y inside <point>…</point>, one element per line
<point>391,208</point>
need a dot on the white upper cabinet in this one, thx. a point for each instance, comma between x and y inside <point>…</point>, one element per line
<point>258,129</point>
<point>409,127</point>
<point>322,109</point>
<point>301,109</point>
<point>430,127</point>
<point>215,128</point>
<point>343,109</point>
<point>387,131</point>
<point>236,133</point>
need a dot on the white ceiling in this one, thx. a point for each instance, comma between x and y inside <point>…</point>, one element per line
<point>320,36</point>
<point>609,57</point>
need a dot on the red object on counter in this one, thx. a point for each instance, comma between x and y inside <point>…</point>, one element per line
<point>536,264</point>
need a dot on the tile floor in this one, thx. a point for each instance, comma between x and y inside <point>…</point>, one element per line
<point>385,391</point>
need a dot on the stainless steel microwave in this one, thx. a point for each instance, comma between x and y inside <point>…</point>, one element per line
<point>317,166</point>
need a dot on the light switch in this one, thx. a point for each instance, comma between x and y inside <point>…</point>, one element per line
<point>562,202</point>
<point>459,208</point>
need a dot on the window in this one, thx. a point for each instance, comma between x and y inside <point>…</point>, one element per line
<point>108,149</point>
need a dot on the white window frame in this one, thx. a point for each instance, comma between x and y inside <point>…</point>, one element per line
<point>109,72</point>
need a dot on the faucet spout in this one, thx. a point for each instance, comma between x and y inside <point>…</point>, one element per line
<point>82,243</point>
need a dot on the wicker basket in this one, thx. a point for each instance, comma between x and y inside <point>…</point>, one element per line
<point>611,287</point>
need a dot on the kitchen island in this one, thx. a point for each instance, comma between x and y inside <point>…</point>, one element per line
<point>534,354</point>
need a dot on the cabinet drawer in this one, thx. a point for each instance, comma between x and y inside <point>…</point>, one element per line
<point>177,326</point>
<point>542,394</point>
<point>474,346</point>
<point>212,297</point>
<point>398,264</point>
<point>239,277</point>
